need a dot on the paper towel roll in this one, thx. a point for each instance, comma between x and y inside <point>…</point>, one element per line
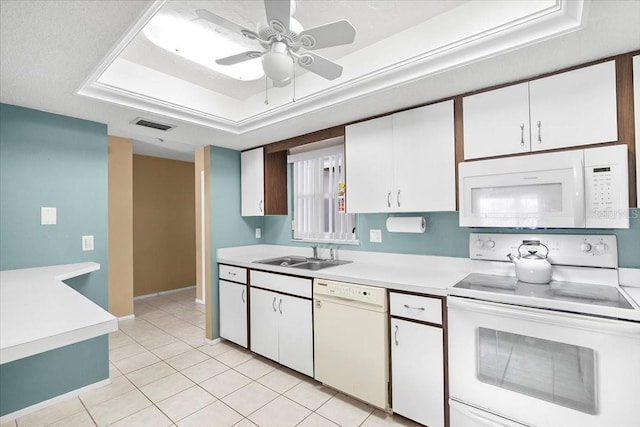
<point>406,224</point>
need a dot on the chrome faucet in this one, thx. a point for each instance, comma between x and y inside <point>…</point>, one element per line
<point>315,251</point>
<point>331,255</point>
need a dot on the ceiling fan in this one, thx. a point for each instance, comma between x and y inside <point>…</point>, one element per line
<point>284,44</point>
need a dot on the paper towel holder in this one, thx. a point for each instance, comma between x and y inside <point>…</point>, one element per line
<point>406,224</point>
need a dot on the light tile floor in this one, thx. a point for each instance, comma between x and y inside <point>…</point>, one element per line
<point>164,375</point>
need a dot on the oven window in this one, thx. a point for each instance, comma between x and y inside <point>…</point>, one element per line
<point>559,373</point>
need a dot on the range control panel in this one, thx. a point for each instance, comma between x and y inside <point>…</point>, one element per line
<point>588,250</point>
<point>366,294</point>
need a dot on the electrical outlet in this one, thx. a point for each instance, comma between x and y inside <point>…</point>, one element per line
<point>258,233</point>
<point>87,243</point>
<point>375,236</point>
<point>48,216</point>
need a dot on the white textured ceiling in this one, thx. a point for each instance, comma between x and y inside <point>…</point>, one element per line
<point>49,48</point>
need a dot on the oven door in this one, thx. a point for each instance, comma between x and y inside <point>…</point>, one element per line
<point>544,368</point>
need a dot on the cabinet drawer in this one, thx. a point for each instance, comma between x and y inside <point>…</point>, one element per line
<point>277,282</point>
<point>234,274</point>
<point>416,307</point>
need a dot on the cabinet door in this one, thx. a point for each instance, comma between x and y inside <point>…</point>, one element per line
<point>233,312</point>
<point>369,165</point>
<point>424,159</point>
<point>574,108</point>
<point>496,122</point>
<point>252,166</point>
<point>417,372</point>
<point>264,323</point>
<point>296,333</point>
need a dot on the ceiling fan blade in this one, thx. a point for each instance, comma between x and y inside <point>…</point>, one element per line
<point>278,14</point>
<point>319,65</point>
<point>240,57</point>
<point>332,34</point>
<point>225,23</point>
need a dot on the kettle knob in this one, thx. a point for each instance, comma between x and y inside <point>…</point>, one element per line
<point>585,247</point>
<point>601,248</point>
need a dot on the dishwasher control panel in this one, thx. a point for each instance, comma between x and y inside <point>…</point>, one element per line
<point>366,294</point>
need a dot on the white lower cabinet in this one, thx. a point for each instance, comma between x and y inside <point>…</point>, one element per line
<point>417,359</point>
<point>233,312</point>
<point>282,329</point>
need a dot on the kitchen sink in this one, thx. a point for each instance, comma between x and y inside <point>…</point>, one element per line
<point>319,264</point>
<point>285,261</point>
<point>301,262</point>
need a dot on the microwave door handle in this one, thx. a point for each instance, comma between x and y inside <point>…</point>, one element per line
<point>579,199</point>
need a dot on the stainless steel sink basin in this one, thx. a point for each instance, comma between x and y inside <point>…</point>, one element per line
<point>284,261</point>
<point>319,264</point>
<point>301,262</point>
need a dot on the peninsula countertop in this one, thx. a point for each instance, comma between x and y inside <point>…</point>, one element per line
<point>38,312</point>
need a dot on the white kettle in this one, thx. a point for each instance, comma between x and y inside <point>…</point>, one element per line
<point>532,267</point>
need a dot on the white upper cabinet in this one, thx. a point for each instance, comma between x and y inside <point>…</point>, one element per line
<point>252,182</point>
<point>403,162</point>
<point>570,109</point>
<point>368,154</point>
<point>497,122</point>
<point>574,108</point>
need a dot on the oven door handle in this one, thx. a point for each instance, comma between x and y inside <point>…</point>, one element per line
<point>485,421</point>
<point>556,318</point>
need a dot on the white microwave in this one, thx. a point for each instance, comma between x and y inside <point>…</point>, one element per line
<point>566,189</point>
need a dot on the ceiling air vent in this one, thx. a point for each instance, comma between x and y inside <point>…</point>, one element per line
<point>153,125</point>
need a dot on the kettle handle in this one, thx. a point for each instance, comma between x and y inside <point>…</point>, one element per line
<point>533,243</point>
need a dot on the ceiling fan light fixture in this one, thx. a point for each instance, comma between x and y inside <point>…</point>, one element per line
<point>277,63</point>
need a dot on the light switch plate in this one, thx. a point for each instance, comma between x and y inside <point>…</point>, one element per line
<point>375,236</point>
<point>48,216</point>
<point>258,233</point>
<point>87,243</point>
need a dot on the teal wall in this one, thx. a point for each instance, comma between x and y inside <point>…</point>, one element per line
<point>228,226</point>
<point>53,160</point>
<point>443,236</point>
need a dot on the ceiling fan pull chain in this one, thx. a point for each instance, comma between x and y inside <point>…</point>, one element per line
<point>266,90</point>
<point>294,81</point>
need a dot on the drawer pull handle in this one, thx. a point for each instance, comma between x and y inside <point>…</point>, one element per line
<point>395,335</point>
<point>273,304</point>
<point>413,308</point>
<point>230,273</point>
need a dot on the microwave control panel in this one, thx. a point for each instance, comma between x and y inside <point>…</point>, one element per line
<point>606,187</point>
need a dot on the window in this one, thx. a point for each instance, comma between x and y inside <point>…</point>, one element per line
<point>319,197</point>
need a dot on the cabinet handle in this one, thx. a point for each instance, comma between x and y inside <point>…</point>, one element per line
<point>522,135</point>
<point>242,296</point>
<point>395,335</point>
<point>389,199</point>
<point>231,274</point>
<point>398,198</point>
<point>260,205</point>
<point>273,304</point>
<point>413,308</point>
<point>539,132</point>
<point>280,306</point>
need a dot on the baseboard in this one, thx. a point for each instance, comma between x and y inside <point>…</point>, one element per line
<point>74,393</point>
<point>199,301</point>
<point>170,291</point>
<point>212,342</point>
<point>127,317</point>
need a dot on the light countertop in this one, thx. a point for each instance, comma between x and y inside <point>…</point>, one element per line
<point>38,312</point>
<point>414,273</point>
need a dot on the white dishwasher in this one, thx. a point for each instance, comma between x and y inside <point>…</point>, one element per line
<point>351,335</point>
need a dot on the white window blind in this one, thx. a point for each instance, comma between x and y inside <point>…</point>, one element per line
<point>319,196</point>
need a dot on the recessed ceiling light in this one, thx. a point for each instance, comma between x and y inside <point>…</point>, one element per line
<point>201,45</point>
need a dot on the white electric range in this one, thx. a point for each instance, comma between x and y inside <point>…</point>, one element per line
<point>564,353</point>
